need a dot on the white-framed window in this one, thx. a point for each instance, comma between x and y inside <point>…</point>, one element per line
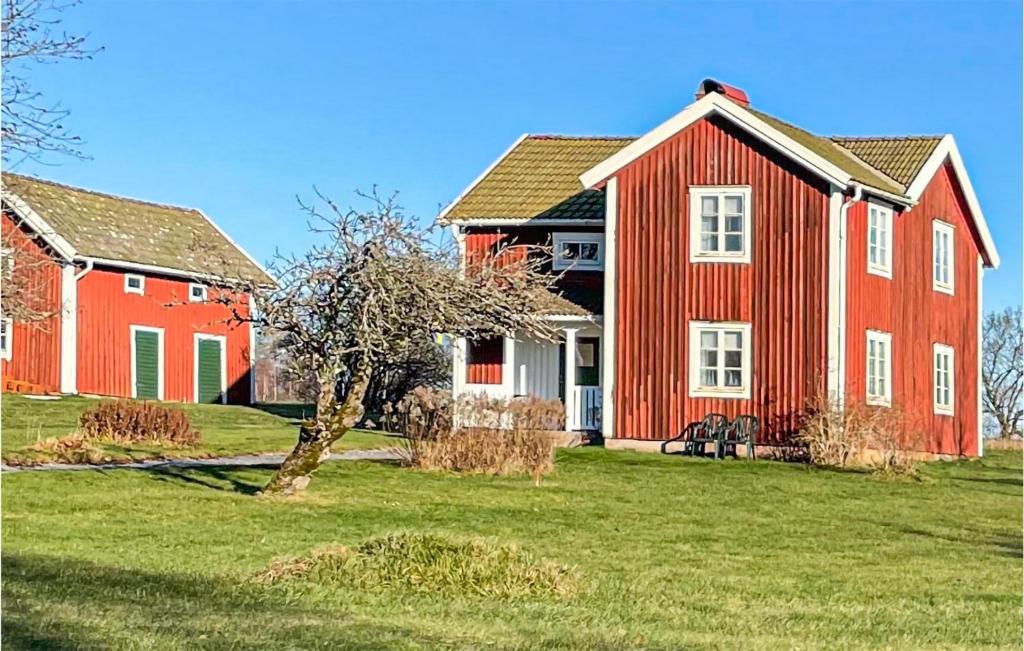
<point>134,284</point>
<point>196,293</point>
<point>578,251</point>
<point>6,337</point>
<point>943,378</point>
<point>720,359</point>
<point>879,368</point>
<point>942,257</point>
<point>720,224</point>
<point>879,239</point>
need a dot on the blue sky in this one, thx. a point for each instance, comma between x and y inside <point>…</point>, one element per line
<point>236,107</point>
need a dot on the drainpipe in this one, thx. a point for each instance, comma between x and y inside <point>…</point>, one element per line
<point>87,269</point>
<point>858,193</point>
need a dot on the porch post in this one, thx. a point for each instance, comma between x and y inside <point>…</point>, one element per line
<point>571,423</point>
<point>508,367</point>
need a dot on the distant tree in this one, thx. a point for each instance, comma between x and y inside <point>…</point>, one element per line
<point>32,126</point>
<point>373,290</point>
<point>1002,369</point>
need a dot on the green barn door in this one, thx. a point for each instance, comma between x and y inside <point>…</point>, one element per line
<point>147,365</point>
<point>209,370</point>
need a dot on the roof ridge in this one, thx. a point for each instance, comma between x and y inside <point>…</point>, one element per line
<point>562,136</point>
<point>866,163</point>
<point>865,138</point>
<point>108,195</point>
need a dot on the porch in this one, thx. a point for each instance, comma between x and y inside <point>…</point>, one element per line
<point>510,367</point>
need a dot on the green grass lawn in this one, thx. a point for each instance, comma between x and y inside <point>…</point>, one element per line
<point>226,430</point>
<point>673,553</point>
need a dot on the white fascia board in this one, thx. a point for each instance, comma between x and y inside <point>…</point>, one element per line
<point>151,268</point>
<point>24,211</point>
<point>947,148</point>
<point>713,103</point>
<point>526,221</point>
<point>476,181</point>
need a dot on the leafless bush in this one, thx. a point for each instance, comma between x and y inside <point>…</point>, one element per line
<point>857,434</point>
<point>478,434</point>
<point>124,421</point>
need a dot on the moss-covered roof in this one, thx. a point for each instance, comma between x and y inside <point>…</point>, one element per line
<point>540,178</point>
<point>899,157</point>
<point>572,301</point>
<point>128,230</point>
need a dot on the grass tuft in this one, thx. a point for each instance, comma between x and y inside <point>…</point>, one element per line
<point>432,564</point>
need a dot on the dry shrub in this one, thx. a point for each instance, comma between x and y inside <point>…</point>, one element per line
<point>128,422</point>
<point>431,564</point>
<point>477,433</point>
<point>858,435</point>
<point>73,448</point>
<point>1004,444</point>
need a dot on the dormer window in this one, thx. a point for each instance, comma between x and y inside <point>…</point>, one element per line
<point>134,284</point>
<point>720,224</point>
<point>196,293</point>
<point>578,251</point>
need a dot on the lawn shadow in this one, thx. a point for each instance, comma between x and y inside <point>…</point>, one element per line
<point>1006,544</point>
<point>293,411</point>
<point>222,478</point>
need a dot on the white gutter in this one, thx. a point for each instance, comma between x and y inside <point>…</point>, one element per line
<point>88,267</point>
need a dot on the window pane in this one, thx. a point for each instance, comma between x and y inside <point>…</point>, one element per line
<point>733,359</point>
<point>709,378</point>
<point>709,206</point>
<point>733,339</point>
<point>733,224</point>
<point>709,358</point>
<point>732,378</point>
<point>734,204</point>
<point>708,339</point>
<point>588,251</point>
<point>568,251</point>
<point>709,224</point>
<point>709,243</point>
<point>734,243</point>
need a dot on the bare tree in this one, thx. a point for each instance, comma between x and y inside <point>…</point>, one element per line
<point>27,278</point>
<point>1002,369</point>
<point>372,290</point>
<point>32,34</point>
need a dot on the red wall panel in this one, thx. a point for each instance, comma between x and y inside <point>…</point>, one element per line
<point>917,316</point>
<point>106,312</point>
<point>35,352</point>
<point>782,292</point>
<point>484,360</point>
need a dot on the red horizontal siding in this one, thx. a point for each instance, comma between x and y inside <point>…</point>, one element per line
<point>917,316</point>
<point>106,313</point>
<point>782,292</point>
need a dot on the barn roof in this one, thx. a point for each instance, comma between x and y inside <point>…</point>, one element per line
<point>123,230</point>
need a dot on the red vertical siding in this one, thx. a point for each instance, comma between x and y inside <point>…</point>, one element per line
<point>485,358</point>
<point>35,351</point>
<point>106,312</point>
<point>917,316</point>
<point>782,292</point>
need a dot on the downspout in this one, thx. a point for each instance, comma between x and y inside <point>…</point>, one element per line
<point>858,193</point>
<point>87,269</point>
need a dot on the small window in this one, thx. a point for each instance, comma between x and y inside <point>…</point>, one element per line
<point>579,251</point>
<point>879,368</point>
<point>134,284</point>
<point>879,240</point>
<point>719,224</point>
<point>943,373</point>
<point>6,335</point>
<point>720,355</point>
<point>942,257</point>
<point>196,293</point>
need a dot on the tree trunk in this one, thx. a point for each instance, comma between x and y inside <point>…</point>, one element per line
<point>316,436</point>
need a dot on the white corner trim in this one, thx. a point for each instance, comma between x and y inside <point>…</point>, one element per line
<point>713,103</point>
<point>947,148</point>
<point>508,365</point>
<point>611,226</point>
<point>252,356</point>
<point>69,329</point>
<point>836,374</point>
<point>981,320</point>
<point>695,390</point>
<point>132,329</point>
<point>24,211</point>
<point>196,338</point>
<point>444,213</point>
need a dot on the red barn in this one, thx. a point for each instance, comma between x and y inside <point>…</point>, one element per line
<point>727,261</point>
<point>119,294</point>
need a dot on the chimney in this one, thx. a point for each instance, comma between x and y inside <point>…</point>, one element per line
<point>735,94</point>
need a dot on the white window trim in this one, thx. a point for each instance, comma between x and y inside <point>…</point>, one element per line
<point>5,352</point>
<point>698,192</point>
<point>196,338</point>
<point>884,400</point>
<point>695,389</point>
<point>944,349</point>
<point>939,226</point>
<point>559,264</point>
<point>885,268</point>
<point>132,329</point>
<point>193,299</point>
<point>140,290</point>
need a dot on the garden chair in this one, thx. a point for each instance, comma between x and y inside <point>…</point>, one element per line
<point>685,437</point>
<point>710,430</point>
<point>743,431</point>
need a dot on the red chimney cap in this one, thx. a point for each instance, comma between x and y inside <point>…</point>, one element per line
<point>737,95</point>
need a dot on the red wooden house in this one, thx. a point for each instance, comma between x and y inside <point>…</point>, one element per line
<point>727,261</point>
<point>124,290</point>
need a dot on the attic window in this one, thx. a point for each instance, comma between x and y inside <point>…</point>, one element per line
<point>134,284</point>
<point>196,293</point>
